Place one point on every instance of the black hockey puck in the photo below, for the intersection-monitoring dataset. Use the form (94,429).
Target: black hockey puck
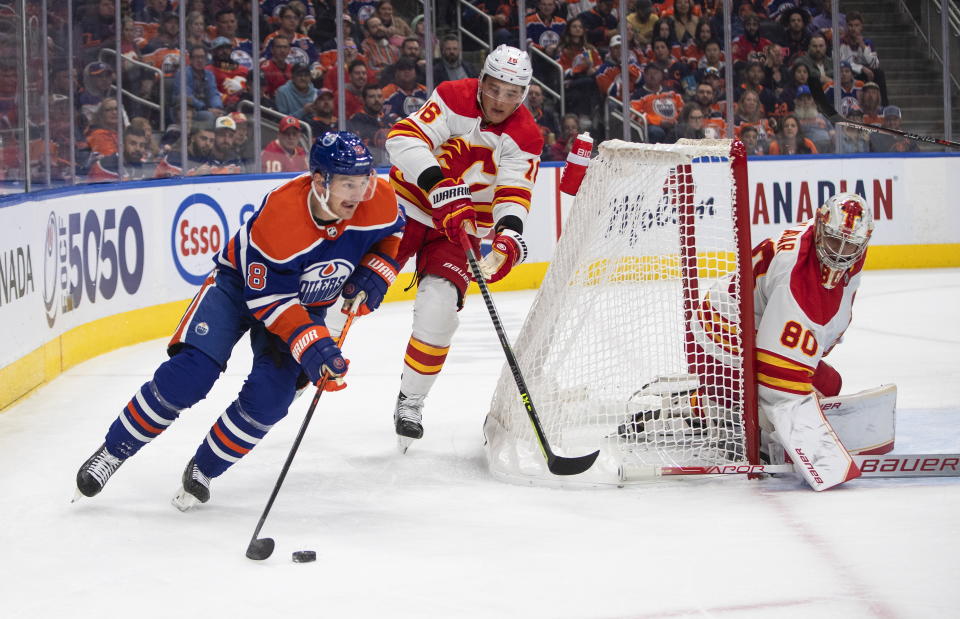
(304,556)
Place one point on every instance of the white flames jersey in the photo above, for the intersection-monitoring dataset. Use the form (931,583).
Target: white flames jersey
(498,162)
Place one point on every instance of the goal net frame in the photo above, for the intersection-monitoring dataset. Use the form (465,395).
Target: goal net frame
(512,452)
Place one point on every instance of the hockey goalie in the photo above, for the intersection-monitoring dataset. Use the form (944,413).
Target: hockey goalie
(805,284)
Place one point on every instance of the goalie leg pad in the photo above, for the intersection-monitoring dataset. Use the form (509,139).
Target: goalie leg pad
(864,421)
(435,321)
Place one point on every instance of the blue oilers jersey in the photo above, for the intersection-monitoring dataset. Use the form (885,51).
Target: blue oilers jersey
(289,262)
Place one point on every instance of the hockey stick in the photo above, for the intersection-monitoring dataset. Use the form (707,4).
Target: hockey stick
(889,465)
(912,136)
(261,548)
(558,465)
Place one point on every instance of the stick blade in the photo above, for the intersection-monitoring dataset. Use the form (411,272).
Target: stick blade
(260,549)
(571,466)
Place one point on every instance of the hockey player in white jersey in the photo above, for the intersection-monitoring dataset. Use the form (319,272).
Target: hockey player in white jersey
(465,162)
(805,283)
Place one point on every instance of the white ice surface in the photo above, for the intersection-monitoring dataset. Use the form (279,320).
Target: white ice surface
(430,534)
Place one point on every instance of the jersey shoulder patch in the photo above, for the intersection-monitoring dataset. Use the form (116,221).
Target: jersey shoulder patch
(461,96)
(284,227)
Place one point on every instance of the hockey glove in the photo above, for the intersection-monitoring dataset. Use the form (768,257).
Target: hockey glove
(509,250)
(317,354)
(453,209)
(365,288)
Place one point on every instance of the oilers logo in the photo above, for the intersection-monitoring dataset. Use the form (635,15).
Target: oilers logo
(321,284)
(665,106)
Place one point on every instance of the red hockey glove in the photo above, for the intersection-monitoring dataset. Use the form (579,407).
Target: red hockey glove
(509,249)
(453,209)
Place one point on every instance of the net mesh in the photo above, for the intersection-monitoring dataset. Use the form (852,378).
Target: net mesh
(632,344)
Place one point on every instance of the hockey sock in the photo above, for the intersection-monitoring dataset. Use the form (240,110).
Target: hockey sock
(179,383)
(230,438)
(421,364)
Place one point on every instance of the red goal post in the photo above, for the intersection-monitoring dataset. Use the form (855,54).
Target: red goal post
(640,340)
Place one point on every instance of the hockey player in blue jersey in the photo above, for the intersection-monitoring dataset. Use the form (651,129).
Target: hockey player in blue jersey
(327,234)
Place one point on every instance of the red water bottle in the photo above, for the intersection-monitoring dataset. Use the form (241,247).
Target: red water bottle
(577,162)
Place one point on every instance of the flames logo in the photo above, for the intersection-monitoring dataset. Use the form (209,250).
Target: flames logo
(459,158)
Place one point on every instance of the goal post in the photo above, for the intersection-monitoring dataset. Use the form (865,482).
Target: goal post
(639,342)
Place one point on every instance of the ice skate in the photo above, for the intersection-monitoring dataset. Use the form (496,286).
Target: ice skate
(407,419)
(195,488)
(93,475)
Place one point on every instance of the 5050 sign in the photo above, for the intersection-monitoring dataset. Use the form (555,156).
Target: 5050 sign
(89,254)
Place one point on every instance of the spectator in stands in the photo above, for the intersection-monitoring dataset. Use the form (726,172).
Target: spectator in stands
(697,48)
(691,122)
(410,50)
(223,155)
(226,24)
(397,27)
(870,104)
(329,62)
(580,61)
(599,23)
(357,78)
(777,77)
(231,77)
(641,22)
(296,97)
(822,21)
(145,127)
(664,30)
(405,96)
(814,124)
(545,26)
(102,134)
(753,79)
(796,39)
(860,54)
(97,30)
(302,50)
(153,11)
(685,20)
(134,153)
(674,71)
(97,85)
(705,97)
(608,75)
(817,59)
(324,117)
(285,154)
(853,140)
(196,29)
(800,77)
(276,71)
(569,130)
(199,147)
(750,138)
(377,48)
(242,141)
(372,125)
(658,106)
(450,66)
(168,34)
(749,42)
(716,80)
(790,140)
(750,113)
(849,87)
(544,118)
(886,143)
(203,99)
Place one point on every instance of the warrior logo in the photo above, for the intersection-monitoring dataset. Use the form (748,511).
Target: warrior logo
(322,283)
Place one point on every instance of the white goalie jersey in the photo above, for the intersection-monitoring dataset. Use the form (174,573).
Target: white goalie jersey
(498,162)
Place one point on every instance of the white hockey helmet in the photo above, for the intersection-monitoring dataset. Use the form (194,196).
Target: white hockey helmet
(843,229)
(510,65)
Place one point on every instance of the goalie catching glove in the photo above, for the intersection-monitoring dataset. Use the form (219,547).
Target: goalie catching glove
(508,250)
(453,208)
(366,287)
(317,354)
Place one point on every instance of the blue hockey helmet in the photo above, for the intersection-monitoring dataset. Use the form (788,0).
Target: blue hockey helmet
(340,152)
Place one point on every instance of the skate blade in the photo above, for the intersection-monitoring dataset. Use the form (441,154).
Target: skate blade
(77,495)
(184,501)
(403,443)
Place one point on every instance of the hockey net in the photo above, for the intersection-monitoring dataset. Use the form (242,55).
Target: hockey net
(641,334)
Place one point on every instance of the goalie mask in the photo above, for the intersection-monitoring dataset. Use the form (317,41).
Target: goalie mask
(843,229)
(506,64)
(347,168)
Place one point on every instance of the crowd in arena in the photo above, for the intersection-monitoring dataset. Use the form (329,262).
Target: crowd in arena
(781,61)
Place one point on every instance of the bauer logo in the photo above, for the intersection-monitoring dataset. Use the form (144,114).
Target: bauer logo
(322,282)
(198,233)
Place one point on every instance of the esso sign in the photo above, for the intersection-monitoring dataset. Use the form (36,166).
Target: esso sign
(199,233)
